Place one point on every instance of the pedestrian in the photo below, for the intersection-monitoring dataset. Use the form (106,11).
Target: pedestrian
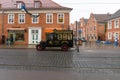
(11,39)
(116,42)
(3,39)
(7,41)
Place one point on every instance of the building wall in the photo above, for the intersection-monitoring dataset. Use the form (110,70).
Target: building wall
(82,28)
(94,29)
(113,30)
(28,23)
(101,31)
(91,31)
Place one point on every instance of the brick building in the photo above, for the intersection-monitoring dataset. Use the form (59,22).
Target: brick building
(82,27)
(75,27)
(113,27)
(30,28)
(95,29)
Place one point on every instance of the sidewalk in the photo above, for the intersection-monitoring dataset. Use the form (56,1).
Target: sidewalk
(17,46)
(98,46)
(83,46)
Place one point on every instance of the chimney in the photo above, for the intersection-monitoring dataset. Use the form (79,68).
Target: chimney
(0,6)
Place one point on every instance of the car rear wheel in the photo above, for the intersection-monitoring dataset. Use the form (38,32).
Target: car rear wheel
(39,47)
(64,47)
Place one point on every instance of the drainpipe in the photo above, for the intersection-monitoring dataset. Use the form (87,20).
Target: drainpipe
(3,36)
(2,22)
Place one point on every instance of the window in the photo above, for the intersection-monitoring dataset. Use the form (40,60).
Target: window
(49,18)
(94,27)
(35,19)
(37,4)
(116,35)
(35,31)
(21,18)
(60,18)
(19,36)
(109,24)
(10,18)
(116,24)
(110,35)
(90,28)
(94,35)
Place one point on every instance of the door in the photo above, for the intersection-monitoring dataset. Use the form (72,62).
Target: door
(34,35)
(34,38)
(12,35)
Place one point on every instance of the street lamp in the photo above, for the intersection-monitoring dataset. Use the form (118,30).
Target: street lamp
(77,46)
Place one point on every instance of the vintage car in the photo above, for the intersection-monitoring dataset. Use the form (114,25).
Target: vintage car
(58,38)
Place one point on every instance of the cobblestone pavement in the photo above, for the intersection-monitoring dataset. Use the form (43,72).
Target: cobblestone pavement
(87,62)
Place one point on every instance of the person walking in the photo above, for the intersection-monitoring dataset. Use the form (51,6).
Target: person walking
(3,39)
(11,39)
(116,42)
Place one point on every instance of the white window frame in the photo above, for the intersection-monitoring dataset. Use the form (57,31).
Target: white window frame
(37,4)
(36,18)
(116,23)
(49,18)
(19,18)
(61,15)
(110,35)
(10,18)
(109,24)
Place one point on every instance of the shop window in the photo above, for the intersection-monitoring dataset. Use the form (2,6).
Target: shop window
(19,37)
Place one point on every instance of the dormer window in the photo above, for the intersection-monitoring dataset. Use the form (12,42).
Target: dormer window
(37,4)
(19,4)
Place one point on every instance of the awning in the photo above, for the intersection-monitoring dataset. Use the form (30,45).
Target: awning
(15,29)
(49,30)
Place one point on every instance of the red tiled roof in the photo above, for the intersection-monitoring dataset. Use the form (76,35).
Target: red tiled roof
(101,17)
(9,4)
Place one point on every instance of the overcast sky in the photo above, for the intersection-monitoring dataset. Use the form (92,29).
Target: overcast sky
(83,8)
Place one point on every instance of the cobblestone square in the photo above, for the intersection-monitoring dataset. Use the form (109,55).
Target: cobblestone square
(91,63)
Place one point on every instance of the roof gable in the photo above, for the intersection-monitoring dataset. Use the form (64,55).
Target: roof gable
(100,18)
(115,15)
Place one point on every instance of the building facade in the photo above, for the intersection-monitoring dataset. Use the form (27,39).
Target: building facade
(82,28)
(95,29)
(75,27)
(31,26)
(113,27)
